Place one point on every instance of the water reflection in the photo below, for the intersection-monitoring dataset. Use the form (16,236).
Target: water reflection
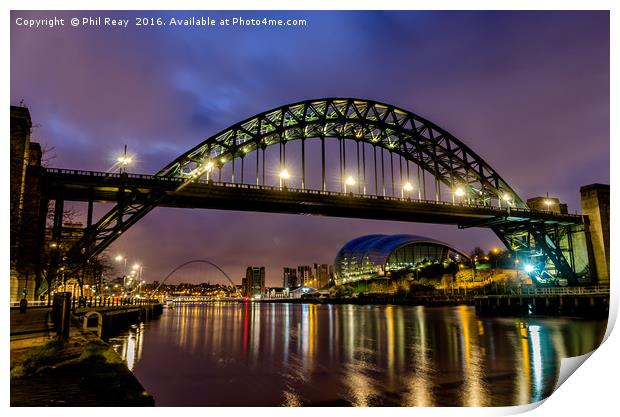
(290,354)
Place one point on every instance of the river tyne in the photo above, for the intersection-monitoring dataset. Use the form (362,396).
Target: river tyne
(258,354)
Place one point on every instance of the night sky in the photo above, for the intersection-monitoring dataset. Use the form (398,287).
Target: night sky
(528,91)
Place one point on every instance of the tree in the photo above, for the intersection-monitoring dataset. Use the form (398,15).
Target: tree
(476,253)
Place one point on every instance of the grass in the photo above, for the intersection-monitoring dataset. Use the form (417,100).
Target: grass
(37,358)
(50,354)
(99,352)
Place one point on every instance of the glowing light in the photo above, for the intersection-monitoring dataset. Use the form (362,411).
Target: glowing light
(350,180)
(528,268)
(124,160)
(284,174)
(459,192)
(548,202)
(507,197)
(135,266)
(119,258)
(209,166)
(407,186)
(495,250)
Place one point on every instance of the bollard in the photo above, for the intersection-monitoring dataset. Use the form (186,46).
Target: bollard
(23,305)
(61,314)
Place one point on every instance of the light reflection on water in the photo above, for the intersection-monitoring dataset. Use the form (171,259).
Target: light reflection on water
(290,354)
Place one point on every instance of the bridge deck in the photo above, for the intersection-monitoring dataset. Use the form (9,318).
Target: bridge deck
(72,185)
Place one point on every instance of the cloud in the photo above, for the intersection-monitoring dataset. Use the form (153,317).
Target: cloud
(528,91)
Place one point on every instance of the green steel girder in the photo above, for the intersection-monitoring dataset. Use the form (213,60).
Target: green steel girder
(414,138)
(529,239)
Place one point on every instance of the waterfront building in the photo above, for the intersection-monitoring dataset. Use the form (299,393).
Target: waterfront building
(254,282)
(289,277)
(276,292)
(321,275)
(304,275)
(28,208)
(374,256)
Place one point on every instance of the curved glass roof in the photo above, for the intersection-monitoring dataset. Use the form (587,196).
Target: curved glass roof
(377,248)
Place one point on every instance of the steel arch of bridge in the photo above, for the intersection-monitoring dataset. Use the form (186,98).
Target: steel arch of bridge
(384,126)
(414,138)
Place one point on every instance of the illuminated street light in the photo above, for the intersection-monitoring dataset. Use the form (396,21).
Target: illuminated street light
(407,187)
(124,160)
(284,175)
(506,197)
(208,167)
(459,192)
(135,266)
(349,181)
(528,268)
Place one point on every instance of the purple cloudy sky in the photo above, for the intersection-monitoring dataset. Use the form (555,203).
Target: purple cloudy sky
(528,91)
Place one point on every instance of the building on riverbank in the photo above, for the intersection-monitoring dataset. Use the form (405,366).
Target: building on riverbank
(254,281)
(373,256)
(28,208)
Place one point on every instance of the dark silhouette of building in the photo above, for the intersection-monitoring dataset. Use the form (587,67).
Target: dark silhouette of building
(551,204)
(304,275)
(289,278)
(254,281)
(322,274)
(595,205)
(28,208)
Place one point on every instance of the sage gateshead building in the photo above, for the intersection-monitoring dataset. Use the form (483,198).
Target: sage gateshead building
(374,256)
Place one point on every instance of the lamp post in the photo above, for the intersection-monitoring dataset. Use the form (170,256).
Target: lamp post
(496,253)
(120,258)
(349,181)
(208,168)
(459,192)
(123,161)
(284,175)
(407,187)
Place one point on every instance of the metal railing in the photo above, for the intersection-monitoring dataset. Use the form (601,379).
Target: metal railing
(565,291)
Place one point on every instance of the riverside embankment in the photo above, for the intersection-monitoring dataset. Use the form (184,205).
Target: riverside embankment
(78,369)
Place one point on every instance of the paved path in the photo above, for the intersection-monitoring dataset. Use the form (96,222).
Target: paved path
(30,329)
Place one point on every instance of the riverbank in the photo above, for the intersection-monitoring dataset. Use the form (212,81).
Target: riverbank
(81,371)
(379,300)
(552,304)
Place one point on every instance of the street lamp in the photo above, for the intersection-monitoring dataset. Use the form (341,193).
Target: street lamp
(123,161)
(284,175)
(349,181)
(120,258)
(208,168)
(407,187)
(548,203)
(495,252)
(459,192)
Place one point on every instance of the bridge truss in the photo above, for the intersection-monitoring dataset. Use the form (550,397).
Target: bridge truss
(430,164)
